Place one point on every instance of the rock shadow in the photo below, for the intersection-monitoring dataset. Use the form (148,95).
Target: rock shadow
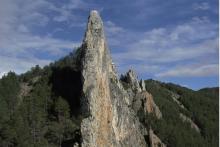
(66,82)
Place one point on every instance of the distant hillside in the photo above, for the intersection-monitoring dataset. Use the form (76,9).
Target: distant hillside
(210,92)
(200,106)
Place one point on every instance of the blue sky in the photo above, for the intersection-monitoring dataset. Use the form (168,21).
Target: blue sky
(172,41)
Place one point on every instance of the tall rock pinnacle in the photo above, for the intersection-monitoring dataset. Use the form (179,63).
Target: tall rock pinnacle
(95,31)
(96,61)
(109,121)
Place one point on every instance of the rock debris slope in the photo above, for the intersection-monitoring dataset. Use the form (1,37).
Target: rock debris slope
(109,121)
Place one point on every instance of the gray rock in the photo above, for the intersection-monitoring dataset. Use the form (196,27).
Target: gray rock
(76,145)
(142,84)
(154,140)
(109,121)
(132,80)
(176,98)
(139,97)
(193,125)
(144,100)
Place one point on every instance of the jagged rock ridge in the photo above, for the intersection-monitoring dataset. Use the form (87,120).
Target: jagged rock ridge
(139,97)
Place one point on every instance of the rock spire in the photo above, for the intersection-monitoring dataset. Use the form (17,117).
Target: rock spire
(109,121)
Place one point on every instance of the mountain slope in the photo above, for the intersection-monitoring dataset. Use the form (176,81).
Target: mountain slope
(201,107)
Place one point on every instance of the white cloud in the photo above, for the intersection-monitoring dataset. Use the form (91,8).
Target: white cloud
(22,28)
(112,29)
(201,6)
(76,4)
(18,45)
(19,64)
(191,71)
(114,33)
(2,74)
(192,42)
(66,12)
(150,51)
(35,18)
(141,68)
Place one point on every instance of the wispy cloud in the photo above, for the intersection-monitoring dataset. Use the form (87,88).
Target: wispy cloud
(19,46)
(114,33)
(155,39)
(112,28)
(191,42)
(19,65)
(201,6)
(67,12)
(191,71)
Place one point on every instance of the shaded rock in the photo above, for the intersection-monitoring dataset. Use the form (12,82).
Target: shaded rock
(25,89)
(154,140)
(76,145)
(145,101)
(132,80)
(139,97)
(175,98)
(109,121)
(189,120)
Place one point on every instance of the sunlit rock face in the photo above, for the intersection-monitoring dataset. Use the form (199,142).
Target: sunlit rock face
(140,99)
(108,119)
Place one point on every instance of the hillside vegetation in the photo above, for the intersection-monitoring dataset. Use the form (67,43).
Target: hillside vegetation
(199,106)
(42,108)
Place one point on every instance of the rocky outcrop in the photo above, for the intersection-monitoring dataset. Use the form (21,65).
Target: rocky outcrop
(184,118)
(25,90)
(141,99)
(147,103)
(132,80)
(109,121)
(176,98)
(154,140)
(143,86)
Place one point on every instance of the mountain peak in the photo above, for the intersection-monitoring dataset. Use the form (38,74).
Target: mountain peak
(95,31)
(94,13)
(109,121)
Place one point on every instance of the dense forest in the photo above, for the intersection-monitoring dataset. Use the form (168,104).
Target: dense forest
(41,108)
(200,106)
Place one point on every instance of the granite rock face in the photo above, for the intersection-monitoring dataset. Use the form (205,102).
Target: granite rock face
(184,118)
(148,104)
(109,122)
(142,84)
(154,140)
(132,80)
(139,97)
